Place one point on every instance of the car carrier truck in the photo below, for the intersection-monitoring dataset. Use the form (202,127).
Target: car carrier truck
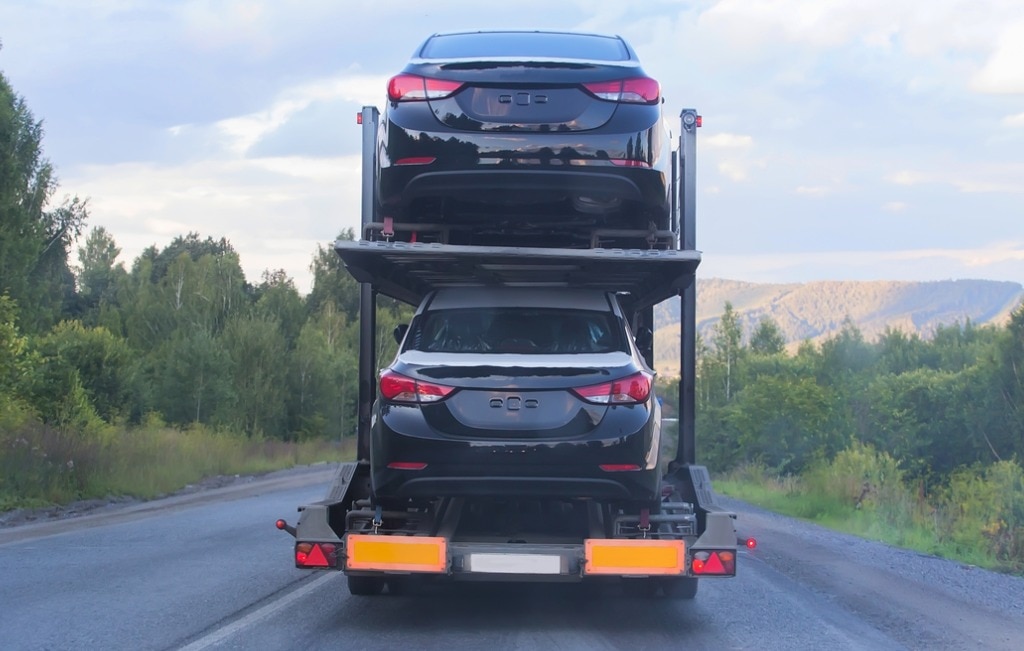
(381,545)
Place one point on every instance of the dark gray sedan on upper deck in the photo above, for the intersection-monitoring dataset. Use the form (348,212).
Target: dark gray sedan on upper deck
(521,134)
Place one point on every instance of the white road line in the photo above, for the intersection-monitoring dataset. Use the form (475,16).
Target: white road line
(266,611)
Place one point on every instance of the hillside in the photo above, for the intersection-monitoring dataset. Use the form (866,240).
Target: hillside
(817,310)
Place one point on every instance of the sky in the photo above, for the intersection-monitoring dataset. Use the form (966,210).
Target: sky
(842,139)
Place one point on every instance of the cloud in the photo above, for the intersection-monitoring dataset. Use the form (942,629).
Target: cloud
(1015,121)
(733,170)
(727,141)
(907,177)
(974,178)
(273,210)
(812,191)
(243,132)
(1003,73)
(895,206)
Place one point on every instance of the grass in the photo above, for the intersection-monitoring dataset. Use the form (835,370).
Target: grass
(41,466)
(953,525)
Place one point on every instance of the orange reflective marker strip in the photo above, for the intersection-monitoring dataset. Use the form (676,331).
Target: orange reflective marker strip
(660,557)
(396,553)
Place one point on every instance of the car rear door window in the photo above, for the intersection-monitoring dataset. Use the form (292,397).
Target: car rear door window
(516,330)
(525,44)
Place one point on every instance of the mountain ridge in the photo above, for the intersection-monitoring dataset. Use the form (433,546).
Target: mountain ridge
(817,310)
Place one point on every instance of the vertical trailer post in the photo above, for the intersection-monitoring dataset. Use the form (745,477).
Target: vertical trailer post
(369,118)
(687,189)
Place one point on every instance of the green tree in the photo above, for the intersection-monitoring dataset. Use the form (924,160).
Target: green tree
(785,422)
(14,362)
(276,297)
(323,375)
(34,238)
(193,377)
(259,373)
(728,339)
(767,338)
(332,282)
(1009,380)
(100,275)
(100,360)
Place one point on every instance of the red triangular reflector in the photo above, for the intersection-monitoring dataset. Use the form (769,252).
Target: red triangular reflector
(316,557)
(712,566)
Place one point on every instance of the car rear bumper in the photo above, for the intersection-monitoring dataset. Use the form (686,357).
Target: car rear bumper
(431,465)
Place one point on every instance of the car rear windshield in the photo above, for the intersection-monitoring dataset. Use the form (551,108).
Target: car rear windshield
(516,330)
(525,44)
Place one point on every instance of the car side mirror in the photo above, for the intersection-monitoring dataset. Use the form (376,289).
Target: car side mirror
(399,331)
(643,338)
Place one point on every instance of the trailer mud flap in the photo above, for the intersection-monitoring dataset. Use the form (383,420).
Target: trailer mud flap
(396,553)
(634,557)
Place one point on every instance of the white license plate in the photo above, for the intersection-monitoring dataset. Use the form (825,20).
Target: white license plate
(514,563)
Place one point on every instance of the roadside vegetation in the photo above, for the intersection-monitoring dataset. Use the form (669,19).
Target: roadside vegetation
(138,381)
(917,442)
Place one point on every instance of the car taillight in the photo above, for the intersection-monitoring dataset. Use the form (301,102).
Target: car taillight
(637,90)
(628,391)
(399,388)
(414,88)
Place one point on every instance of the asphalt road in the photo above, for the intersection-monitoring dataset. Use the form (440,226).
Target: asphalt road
(210,572)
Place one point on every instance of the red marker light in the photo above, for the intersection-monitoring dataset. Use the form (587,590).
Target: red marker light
(407,465)
(751,543)
(359,118)
(619,467)
(281,524)
(416,160)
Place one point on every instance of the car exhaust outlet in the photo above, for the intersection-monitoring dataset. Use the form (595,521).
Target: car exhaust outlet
(284,526)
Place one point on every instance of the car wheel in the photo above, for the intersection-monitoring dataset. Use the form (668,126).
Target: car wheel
(365,586)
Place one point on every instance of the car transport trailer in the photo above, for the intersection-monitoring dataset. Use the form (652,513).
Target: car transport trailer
(667,547)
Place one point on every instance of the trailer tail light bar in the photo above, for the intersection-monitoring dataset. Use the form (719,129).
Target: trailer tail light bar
(625,557)
(396,553)
(714,563)
(316,555)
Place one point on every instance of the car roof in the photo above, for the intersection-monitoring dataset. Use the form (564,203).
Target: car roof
(483,297)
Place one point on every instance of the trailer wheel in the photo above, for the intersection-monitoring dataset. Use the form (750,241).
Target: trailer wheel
(640,588)
(365,586)
(398,586)
(679,588)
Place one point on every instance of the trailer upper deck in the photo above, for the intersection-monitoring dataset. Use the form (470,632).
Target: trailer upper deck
(407,272)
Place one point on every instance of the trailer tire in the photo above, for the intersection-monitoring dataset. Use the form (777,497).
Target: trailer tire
(398,586)
(640,588)
(679,588)
(365,586)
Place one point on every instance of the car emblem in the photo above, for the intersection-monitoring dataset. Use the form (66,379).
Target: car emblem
(514,403)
